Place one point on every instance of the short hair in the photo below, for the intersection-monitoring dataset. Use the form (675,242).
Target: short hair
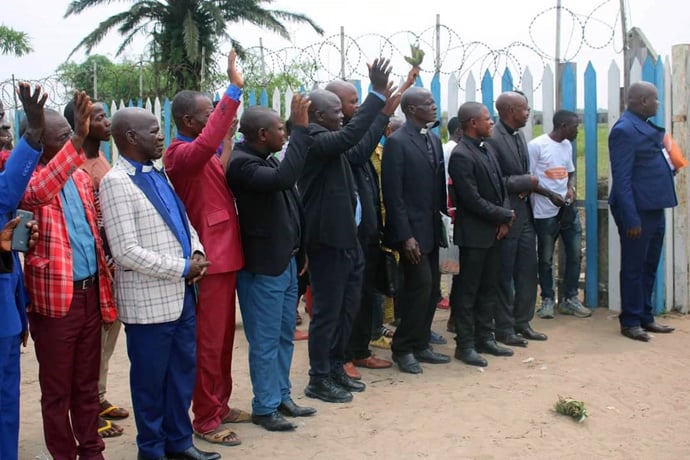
(183,104)
(469,111)
(69,113)
(452,126)
(563,117)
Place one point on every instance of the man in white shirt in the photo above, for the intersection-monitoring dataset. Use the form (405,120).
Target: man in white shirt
(555,213)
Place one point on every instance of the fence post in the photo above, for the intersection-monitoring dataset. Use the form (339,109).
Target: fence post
(591,189)
(507,81)
(452,96)
(548,103)
(680,89)
(471,88)
(488,92)
(435,88)
(614,258)
(528,89)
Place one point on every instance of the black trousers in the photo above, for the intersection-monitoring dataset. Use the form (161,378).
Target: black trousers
(336,284)
(518,293)
(361,328)
(476,295)
(417,303)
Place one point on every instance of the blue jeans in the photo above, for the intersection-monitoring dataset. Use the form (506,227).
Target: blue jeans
(548,230)
(268,314)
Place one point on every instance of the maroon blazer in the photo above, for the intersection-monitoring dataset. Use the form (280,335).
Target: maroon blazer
(199,179)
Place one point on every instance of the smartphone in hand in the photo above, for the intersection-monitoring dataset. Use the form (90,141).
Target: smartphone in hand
(22,233)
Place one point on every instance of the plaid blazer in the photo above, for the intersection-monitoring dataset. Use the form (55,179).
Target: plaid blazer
(48,266)
(149,286)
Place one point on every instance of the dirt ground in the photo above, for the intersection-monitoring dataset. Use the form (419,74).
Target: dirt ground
(637,395)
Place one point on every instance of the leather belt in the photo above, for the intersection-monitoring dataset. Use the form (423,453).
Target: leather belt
(86,283)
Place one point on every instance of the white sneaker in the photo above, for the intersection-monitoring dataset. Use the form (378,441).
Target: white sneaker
(573,306)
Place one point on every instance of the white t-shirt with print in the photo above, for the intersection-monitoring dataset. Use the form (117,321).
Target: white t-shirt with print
(551,162)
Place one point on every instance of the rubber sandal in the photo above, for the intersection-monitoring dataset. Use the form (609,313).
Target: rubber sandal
(112,412)
(237,416)
(107,429)
(221,436)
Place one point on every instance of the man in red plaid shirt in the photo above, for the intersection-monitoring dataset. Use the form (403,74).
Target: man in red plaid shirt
(69,288)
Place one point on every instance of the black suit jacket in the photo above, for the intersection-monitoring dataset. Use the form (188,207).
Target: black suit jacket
(414,190)
(367,181)
(268,202)
(515,167)
(327,186)
(482,201)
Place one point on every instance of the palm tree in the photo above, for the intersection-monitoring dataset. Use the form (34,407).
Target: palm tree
(14,42)
(185,34)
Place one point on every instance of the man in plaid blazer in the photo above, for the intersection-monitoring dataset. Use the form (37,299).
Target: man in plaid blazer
(69,288)
(159,258)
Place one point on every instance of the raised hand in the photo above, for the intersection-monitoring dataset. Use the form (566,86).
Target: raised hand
(392,104)
(33,109)
(299,110)
(411,78)
(234,75)
(378,74)
(82,118)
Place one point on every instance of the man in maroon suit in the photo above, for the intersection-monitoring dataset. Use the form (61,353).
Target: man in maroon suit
(199,179)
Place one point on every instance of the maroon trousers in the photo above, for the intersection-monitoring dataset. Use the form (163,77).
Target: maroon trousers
(215,336)
(68,350)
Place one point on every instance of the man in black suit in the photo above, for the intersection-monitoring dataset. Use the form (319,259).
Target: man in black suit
(483,217)
(518,294)
(332,212)
(414,193)
(371,227)
(271,224)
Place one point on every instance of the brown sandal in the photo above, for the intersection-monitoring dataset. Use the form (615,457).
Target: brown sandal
(222,436)
(237,416)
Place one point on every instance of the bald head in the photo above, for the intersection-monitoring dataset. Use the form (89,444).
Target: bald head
(325,109)
(513,109)
(137,134)
(413,96)
(349,98)
(642,98)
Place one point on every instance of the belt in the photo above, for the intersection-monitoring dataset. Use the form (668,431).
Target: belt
(86,283)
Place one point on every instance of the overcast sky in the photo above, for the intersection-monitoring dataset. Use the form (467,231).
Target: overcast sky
(494,23)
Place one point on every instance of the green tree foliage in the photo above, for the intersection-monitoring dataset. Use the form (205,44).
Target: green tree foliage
(14,42)
(185,35)
(115,81)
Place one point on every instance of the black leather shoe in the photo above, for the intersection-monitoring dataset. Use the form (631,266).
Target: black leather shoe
(635,333)
(345,381)
(407,363)
(658,328)
(437,339)
(431,357)
(470,356)
(530,334)
(273,422)
(289,408)
(512,340)
(193,454)
(492,348)
(326,390)
(141,457)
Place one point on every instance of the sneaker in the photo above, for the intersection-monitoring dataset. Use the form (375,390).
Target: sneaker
(573,306)
(381,342)
(546,310)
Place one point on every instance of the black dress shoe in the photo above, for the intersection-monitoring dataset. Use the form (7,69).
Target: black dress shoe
(658,328)
(437,339)
(407,363)
(343,380)
(512,340)
(193,454)
(635,333)
(431,357)
(470,356)
(325,389)
(273,422)
(141,457)
(289,408)
(492,348)
(530,334)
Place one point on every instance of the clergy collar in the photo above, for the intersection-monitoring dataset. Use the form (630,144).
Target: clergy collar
(141,167)
(477,142)
(429,126)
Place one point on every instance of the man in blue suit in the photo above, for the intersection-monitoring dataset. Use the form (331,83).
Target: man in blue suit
(642,188)
(13,181)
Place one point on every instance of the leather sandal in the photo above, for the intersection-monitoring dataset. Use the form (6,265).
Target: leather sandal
(222,436)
